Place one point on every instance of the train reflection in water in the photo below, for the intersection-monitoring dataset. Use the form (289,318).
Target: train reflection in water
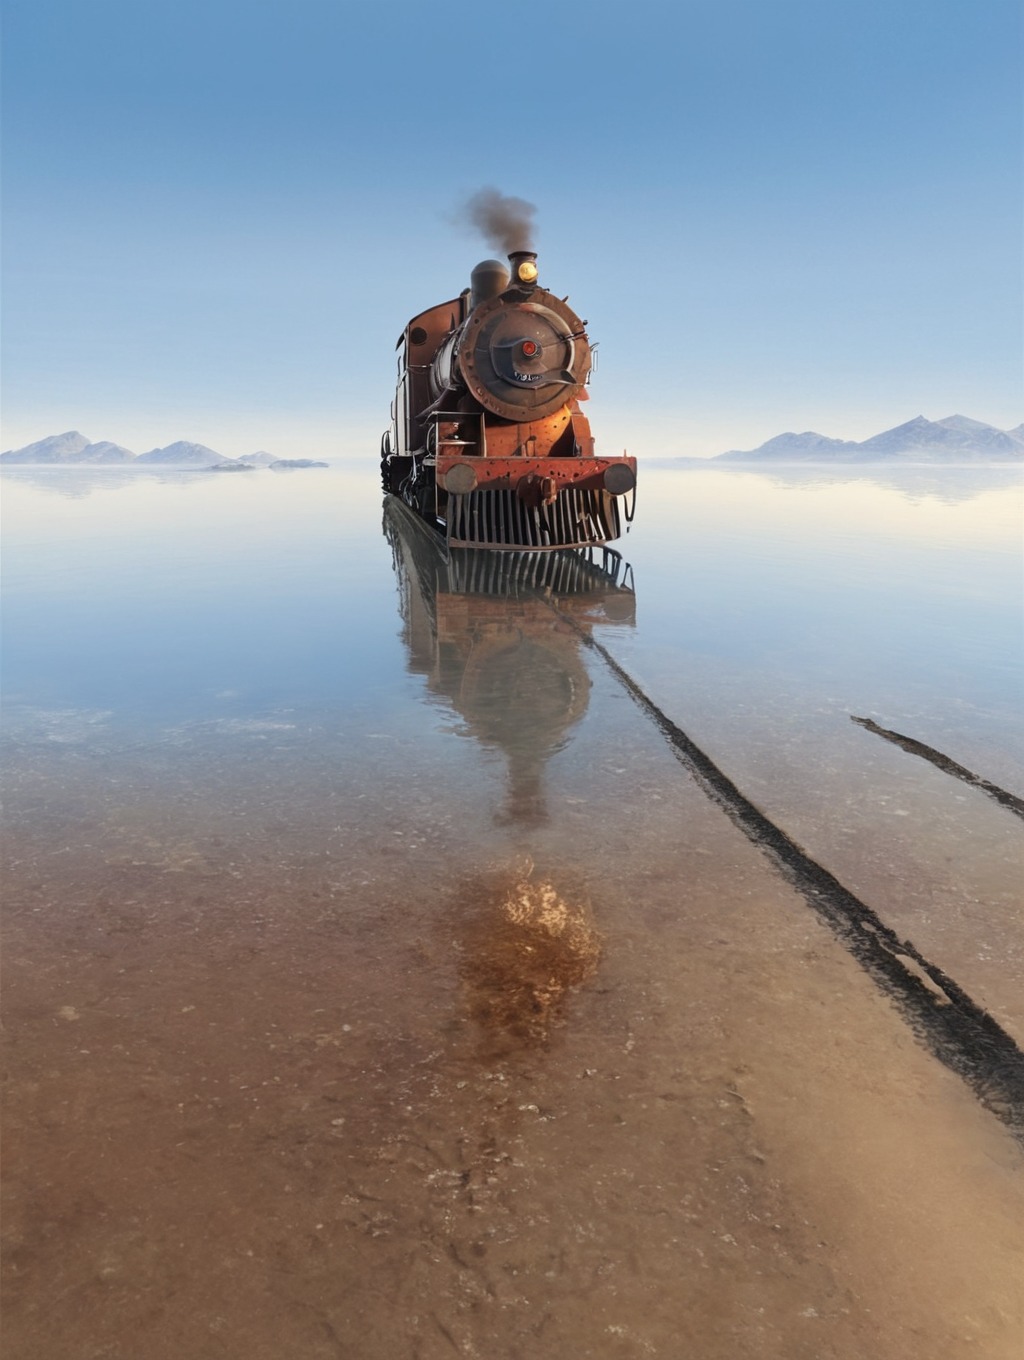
(498,638)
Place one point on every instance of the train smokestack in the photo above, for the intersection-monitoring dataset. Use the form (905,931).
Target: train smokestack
(524,267)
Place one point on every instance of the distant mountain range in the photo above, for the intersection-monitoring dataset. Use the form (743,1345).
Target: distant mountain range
(956,439)
(72,449)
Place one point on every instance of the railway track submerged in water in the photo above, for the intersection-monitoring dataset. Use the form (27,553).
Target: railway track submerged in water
(952,1026)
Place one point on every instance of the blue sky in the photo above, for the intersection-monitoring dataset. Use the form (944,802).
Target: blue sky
(799,215)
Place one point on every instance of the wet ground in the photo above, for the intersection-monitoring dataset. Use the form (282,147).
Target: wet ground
(382,980)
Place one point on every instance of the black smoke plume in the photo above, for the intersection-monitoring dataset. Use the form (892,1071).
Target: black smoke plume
(506,223)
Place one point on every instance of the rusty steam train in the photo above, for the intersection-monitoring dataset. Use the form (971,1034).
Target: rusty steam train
(487,440)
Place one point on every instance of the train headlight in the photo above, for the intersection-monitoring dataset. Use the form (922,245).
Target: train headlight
(527,272)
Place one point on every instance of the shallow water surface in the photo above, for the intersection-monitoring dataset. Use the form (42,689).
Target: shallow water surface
(380,983)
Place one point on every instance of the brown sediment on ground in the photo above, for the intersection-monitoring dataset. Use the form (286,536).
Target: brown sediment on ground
(944,763)
(295,1072)
(525,944)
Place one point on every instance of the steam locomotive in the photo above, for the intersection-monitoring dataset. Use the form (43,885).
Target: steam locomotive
(487,440)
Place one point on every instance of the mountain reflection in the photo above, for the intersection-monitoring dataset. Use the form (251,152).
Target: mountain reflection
(914,482)
(498,637)
(78,482)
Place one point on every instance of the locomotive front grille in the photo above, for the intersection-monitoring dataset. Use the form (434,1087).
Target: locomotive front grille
(498,518)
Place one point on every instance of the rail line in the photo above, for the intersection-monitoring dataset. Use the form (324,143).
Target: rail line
(944,763)
(952,1026)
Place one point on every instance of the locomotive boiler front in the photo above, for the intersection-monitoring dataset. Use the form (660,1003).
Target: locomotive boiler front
(522,353)
(489,442)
